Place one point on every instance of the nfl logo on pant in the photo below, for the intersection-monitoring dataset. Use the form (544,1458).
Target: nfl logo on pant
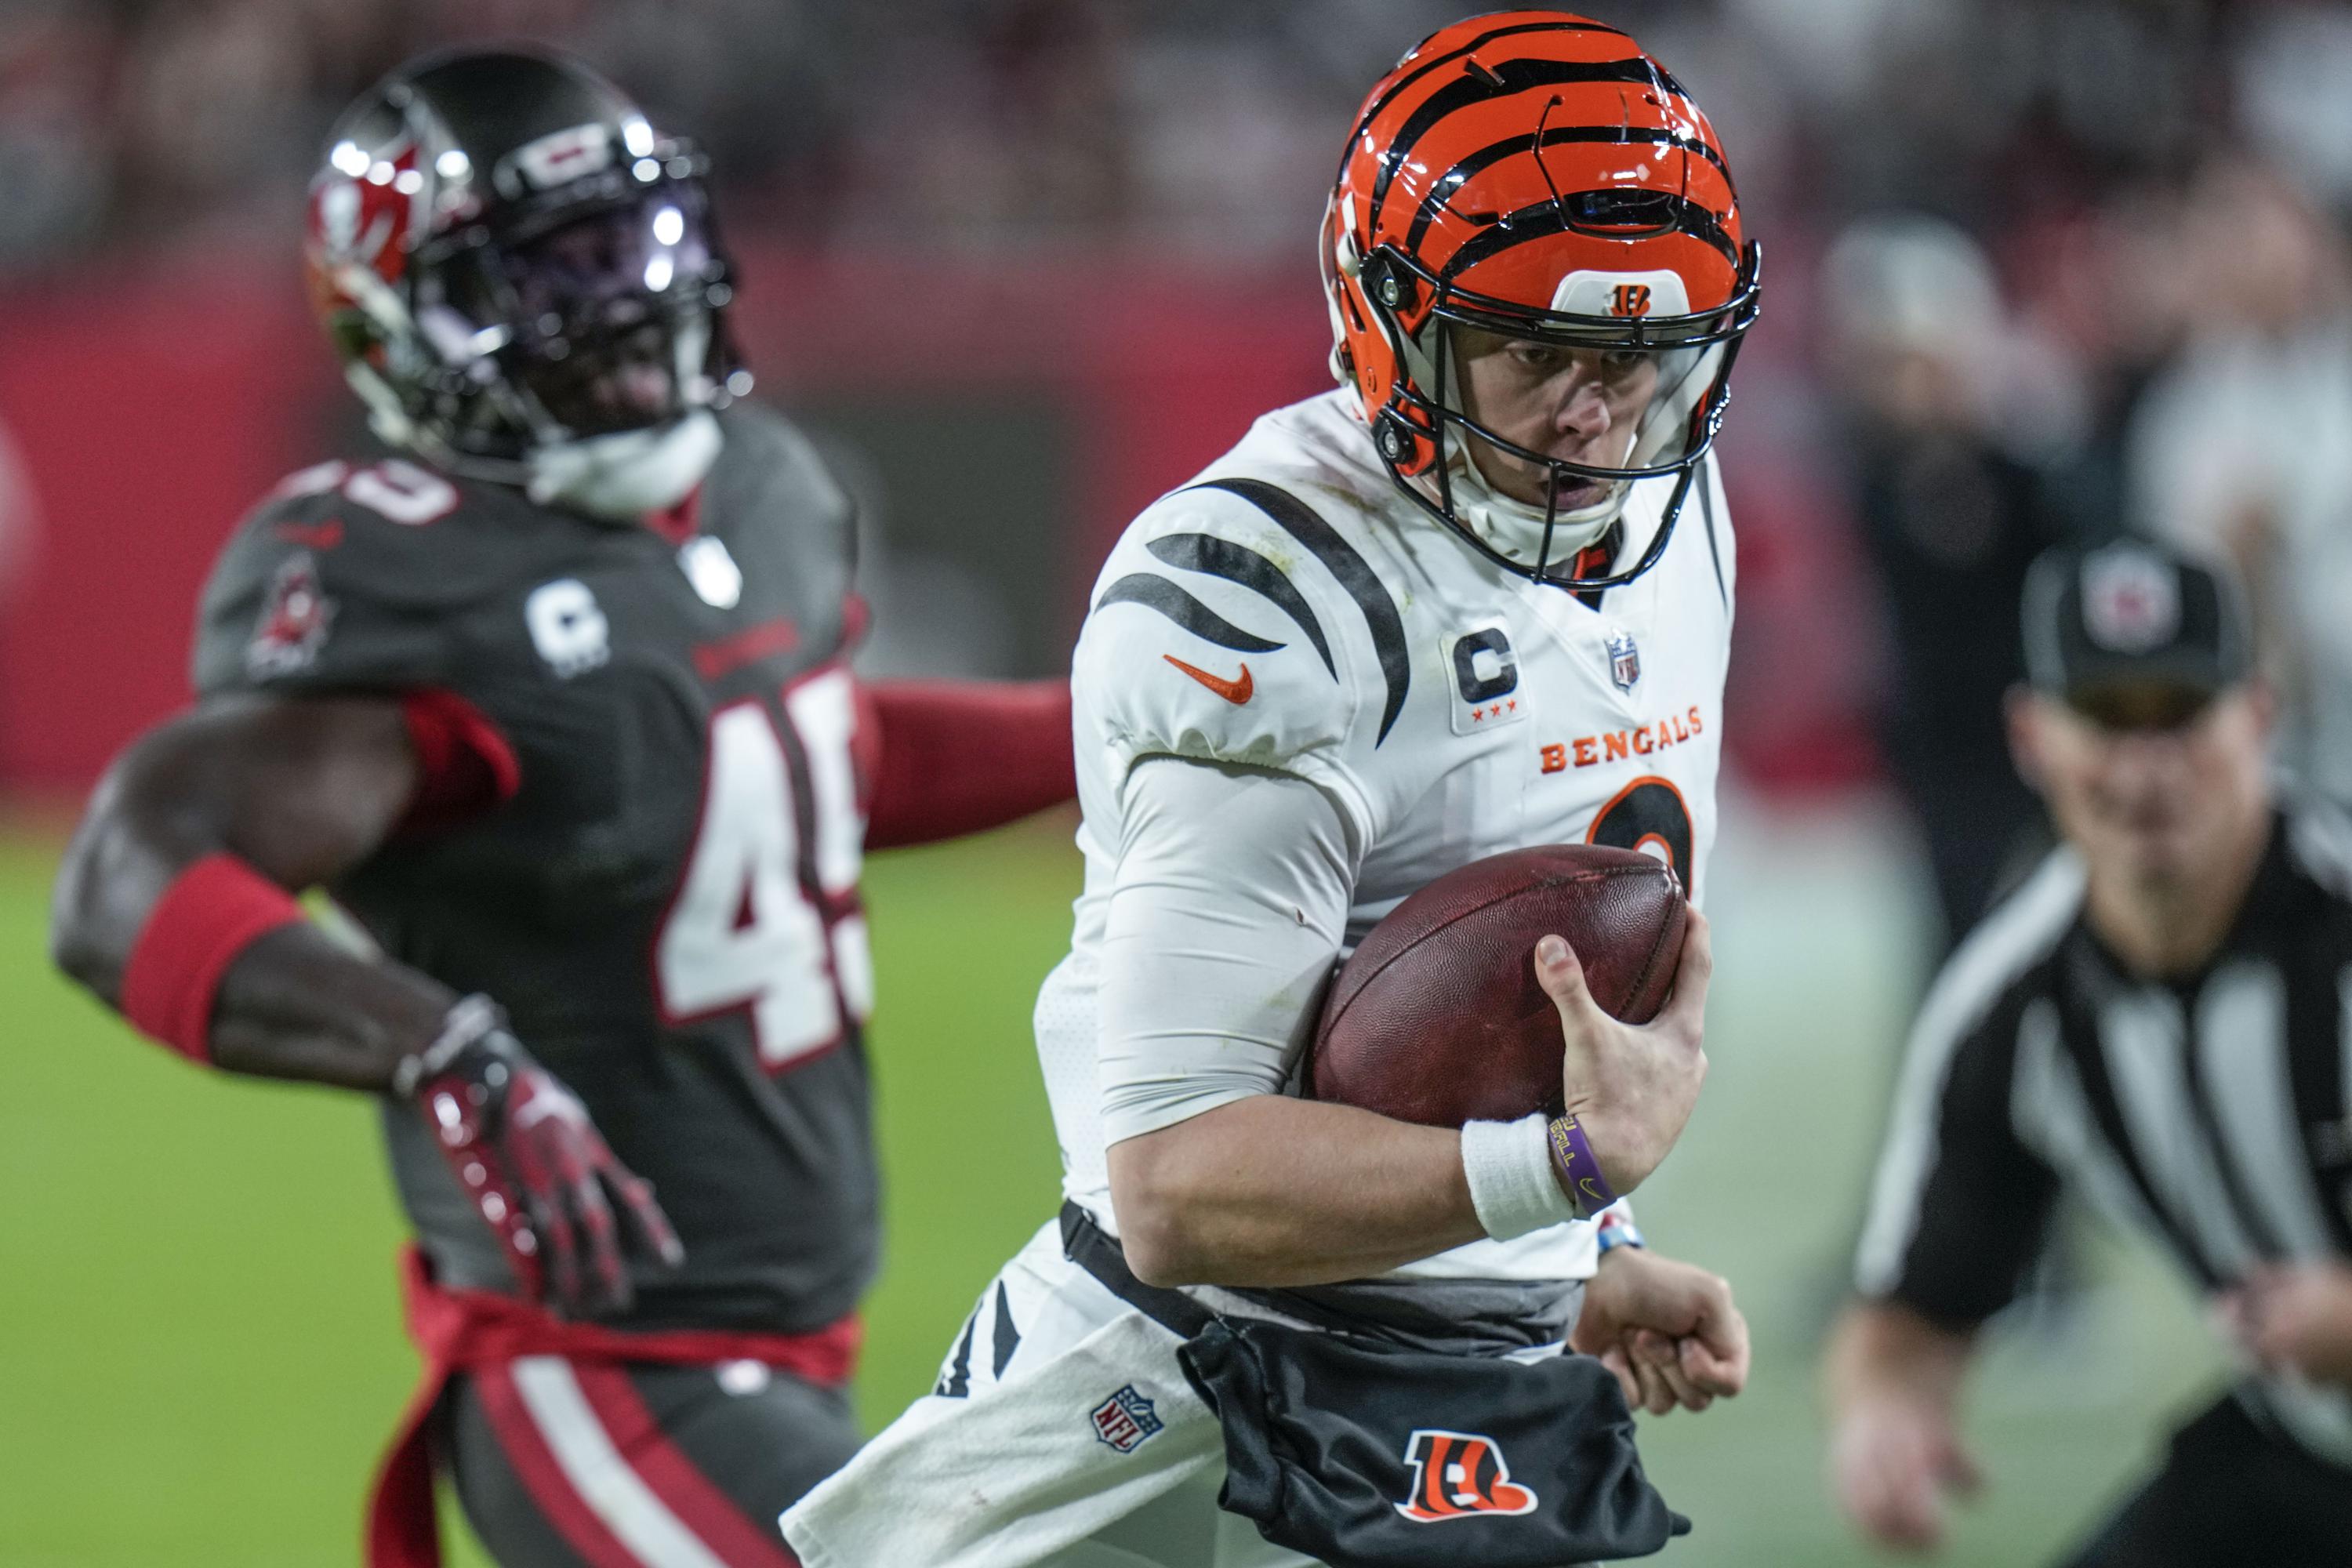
(1125,1420)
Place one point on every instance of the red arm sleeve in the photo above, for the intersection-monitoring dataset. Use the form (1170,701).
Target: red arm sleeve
(463,763)
(950,757)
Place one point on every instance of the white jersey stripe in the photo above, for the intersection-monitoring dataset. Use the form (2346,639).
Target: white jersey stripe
(2052,1114)
(2242,1065)
(2143,1035)
(615,1492)
(2016,937)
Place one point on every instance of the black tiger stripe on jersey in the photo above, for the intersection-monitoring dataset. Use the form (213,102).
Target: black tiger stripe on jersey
(1713,549)
(957,1383)
(1305,524)
(1217,557)
(1154,592)
(1007,1337)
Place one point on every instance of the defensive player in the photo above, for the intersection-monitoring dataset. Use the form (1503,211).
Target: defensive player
(1477,598)
(2157,1018)
(557,707)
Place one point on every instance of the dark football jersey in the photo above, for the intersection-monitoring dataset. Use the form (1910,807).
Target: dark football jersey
(668,905)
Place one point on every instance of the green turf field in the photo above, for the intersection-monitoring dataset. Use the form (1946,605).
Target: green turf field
(202,1354)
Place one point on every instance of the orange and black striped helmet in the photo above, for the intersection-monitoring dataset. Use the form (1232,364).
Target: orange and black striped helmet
(1535,174)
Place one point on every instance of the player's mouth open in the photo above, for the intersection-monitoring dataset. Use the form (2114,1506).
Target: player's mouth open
(1572,495)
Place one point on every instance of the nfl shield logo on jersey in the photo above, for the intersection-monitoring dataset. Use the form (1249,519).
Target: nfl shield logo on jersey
(1126,1420)
(1624,658)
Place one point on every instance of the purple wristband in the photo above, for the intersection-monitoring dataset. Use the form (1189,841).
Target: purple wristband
(1579,1170)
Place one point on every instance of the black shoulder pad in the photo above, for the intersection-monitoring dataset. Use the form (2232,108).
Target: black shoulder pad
(345,578)
(770,468)
(773,498)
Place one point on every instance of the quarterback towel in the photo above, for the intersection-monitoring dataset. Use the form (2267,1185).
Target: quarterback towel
(1020,1470)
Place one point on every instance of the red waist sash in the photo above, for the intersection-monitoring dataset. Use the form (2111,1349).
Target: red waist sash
(456,1330)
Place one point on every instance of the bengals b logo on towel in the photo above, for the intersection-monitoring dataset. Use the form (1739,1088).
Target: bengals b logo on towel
(1460,1475)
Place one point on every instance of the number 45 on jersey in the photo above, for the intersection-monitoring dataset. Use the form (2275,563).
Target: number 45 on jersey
(766,920)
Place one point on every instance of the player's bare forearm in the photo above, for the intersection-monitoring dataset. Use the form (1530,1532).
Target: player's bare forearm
(299,790)
(1882,1349)
(1277,1191)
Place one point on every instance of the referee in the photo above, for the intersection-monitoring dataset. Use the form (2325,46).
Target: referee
(2158,1018)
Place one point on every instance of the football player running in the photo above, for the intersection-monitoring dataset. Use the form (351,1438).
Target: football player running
(1477,598)
(557,706)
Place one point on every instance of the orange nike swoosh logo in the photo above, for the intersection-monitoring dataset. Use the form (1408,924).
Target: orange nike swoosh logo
(1234,692)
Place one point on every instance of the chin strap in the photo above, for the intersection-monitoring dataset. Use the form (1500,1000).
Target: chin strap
(624,475)
(1532,536)
(1595,559)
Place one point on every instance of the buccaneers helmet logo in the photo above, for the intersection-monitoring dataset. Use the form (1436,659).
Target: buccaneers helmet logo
(1460,1475)
(363,211)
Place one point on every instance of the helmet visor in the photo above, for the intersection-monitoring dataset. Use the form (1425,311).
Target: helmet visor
(1562,424)
(1650,370)
(602,318)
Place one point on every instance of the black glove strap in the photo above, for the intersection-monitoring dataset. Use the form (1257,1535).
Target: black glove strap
(469,1021)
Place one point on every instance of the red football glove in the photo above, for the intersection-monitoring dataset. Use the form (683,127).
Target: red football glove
(522,1146)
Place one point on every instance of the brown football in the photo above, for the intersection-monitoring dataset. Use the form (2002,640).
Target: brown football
(1437,1017)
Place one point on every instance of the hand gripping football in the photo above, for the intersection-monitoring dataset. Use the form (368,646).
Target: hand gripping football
(1438,1018)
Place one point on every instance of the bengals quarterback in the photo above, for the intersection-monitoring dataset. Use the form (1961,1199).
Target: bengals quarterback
(555,703)
(1477,597)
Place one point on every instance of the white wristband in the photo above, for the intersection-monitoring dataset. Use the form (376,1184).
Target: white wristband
(1511,1182)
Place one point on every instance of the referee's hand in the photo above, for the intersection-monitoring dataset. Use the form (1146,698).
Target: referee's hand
(1895,1462)
(2295,1317)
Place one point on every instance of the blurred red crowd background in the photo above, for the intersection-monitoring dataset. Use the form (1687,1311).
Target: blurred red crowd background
(1024,264)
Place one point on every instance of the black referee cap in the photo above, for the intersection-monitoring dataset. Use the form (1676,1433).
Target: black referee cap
(2132,613)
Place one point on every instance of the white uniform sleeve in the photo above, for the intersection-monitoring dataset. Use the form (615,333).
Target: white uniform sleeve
(1215,635)
(1227,910)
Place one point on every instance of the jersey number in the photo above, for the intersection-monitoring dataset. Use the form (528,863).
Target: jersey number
(747,929)
(1648,814)
(396,491)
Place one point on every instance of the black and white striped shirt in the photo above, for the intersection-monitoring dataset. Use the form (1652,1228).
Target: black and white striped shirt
(2209,1113)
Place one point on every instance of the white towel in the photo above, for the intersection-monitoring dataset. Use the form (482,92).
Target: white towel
(1019,1470)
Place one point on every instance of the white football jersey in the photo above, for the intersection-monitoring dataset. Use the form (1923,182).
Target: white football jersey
(1291,610)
